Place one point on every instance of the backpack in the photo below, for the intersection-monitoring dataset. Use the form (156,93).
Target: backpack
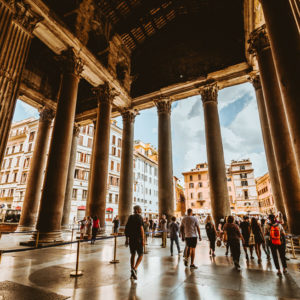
(209,229)
(275,235)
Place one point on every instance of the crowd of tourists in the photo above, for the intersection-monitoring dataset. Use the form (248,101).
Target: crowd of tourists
(264,234)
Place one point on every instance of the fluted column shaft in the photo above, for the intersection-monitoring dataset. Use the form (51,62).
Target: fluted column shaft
(70,181)
(165,162)
(282,144)
(285,46)
(100,159)
(16,25)
(52,201)
(36,173)
(126,174)
(270,155)
(215,156)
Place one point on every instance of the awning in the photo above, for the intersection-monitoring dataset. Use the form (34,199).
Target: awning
(109,209)
(18,208)
(81,207)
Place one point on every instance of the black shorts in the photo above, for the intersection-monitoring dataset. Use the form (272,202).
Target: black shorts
(191,242)
(136,247)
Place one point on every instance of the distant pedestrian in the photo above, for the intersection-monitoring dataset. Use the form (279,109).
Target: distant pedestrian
(134,231)
(88,227)
(232,236)
(189,228)
(211,234)
(164,229)
(82,227)
(258,237)
(276,234)
(174,231)
(95,229)
(246,230)
(146,229)
(116,224)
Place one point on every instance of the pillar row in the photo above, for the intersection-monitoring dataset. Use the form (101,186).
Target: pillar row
(270,155)
(165,163)
(281,140)
(282,27)
(215,155)
(126,174)
(52,200)
(17,21)
(100,156)
(36,172)
(70,181)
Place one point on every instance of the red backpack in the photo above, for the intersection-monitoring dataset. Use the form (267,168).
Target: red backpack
(275,235)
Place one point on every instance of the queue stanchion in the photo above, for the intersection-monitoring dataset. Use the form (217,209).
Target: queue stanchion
(145,240)
(37,239)
(77,273)
(72,236)
(115,260)
(293,248)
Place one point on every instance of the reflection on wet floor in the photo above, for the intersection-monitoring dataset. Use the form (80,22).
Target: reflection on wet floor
(45,274)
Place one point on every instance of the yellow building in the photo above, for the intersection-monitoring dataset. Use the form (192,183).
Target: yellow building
(265,196)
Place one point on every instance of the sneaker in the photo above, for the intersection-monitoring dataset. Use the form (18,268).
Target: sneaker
(193,267)
(185,261)
(279,273)
(237,265)
(134,274)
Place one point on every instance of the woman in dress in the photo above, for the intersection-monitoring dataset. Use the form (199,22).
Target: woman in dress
(258,237)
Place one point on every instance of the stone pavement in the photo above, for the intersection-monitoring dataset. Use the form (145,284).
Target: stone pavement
(44,274)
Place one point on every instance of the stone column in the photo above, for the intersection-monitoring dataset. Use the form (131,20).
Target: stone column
(52,201)
(270,155)
(220,205)
(282,144)
(17,21)
(70,181)
(36,173)
(285,46)
(100,159)
(165,163)
(126,174)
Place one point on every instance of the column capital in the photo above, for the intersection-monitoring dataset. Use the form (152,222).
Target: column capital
(76,130)
(46,114)
(163,105)
(71,63)
(105,93)
(255,80)
(129,115)
(258,40)
(209,93)
(24,15)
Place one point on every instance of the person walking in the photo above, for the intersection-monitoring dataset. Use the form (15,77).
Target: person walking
(95,229)
(189,228)
(174,231)
(116,225)
(146,229)
(82,227)
(211,235)
(258,237)
(134,232)
(275,232)
(233,235)
(246,229)
(88,227)
(164,229)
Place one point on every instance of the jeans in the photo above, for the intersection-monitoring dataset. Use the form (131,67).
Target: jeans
(176,242)
(281,250)
(235,250)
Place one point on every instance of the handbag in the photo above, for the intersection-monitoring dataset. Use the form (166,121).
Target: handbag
(219,242)
(251,239)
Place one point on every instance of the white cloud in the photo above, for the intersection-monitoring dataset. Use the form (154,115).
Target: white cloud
(28,109)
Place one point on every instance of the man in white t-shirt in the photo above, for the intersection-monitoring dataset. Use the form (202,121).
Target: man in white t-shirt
(189,229)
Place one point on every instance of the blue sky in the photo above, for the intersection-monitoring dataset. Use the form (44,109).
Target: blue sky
(240,127)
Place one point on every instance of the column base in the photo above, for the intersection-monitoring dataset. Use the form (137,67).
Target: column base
(23,228)
(45,238)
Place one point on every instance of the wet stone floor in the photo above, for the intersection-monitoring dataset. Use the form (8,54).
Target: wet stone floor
(45,274)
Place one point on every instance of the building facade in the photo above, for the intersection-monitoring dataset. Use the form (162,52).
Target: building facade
(18,155)
(240,184)
(265,196)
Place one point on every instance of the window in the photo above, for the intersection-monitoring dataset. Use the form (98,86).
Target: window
(113,140)
(29,147)
(113,150)
(192,195)
(18,161)
(119,153)
(191,185)
(7,150)
(199,176)
(74,194)
(246,196)
(26,162)
(191,177)
(117,181)
(23,177)
(112,165)
(244,183)
(200,184)
(243,175)
(90,143)
(84,194)
(31,136)
(110,198)
(242,168)
(119,142)
(118,167)
(3,164)
(116,198)
(6,177)
(13,149)
(9,163)
(15,176)
(200,196)
(10,192)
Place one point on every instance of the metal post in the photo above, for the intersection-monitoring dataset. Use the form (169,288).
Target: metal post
(37,239)
(293,248)
(115,260)
(77,273)
(0,235)
(72,235)
(0,255)
(145,239)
